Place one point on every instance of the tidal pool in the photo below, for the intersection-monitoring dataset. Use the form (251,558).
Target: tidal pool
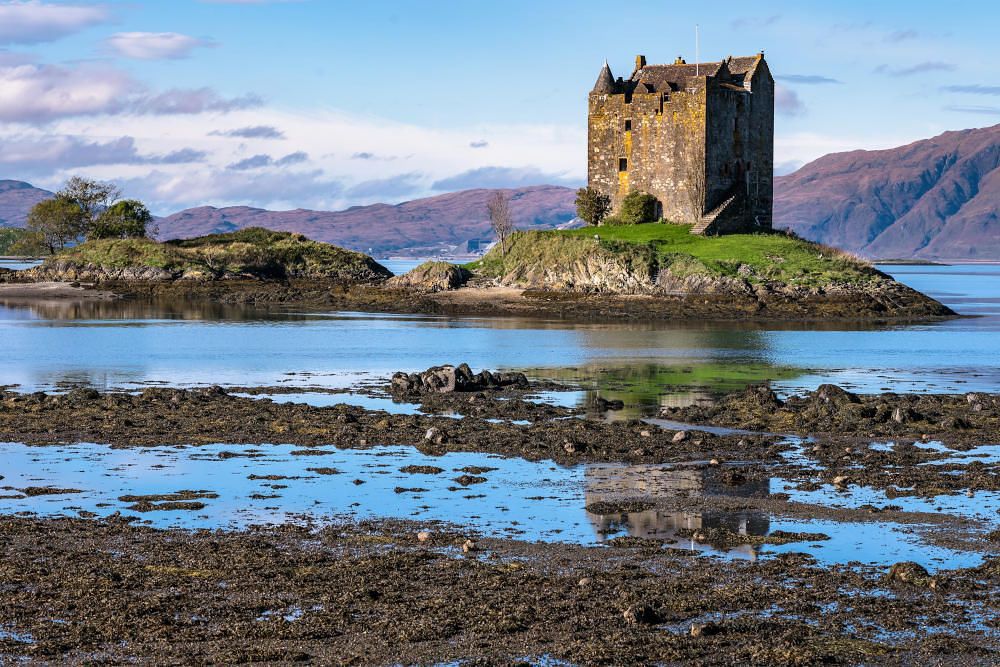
(505,497)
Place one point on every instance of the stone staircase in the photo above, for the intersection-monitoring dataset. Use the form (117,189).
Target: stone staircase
(709,218)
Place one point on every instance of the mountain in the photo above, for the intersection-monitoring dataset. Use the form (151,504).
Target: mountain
(16,199)
(418,227)
(933,199)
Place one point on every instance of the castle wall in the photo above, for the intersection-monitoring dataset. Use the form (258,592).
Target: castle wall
(762,144)
(666,142)
(691,149)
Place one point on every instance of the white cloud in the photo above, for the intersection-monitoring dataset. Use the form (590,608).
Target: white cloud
(40,93)
(154,45)
(32,22)
(315,169)
(44,154)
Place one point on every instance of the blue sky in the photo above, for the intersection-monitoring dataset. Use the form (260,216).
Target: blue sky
(326,104)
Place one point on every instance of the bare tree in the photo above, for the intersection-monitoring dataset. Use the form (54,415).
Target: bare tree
(696,187)
(500,218)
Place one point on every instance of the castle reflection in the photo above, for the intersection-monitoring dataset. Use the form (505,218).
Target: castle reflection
(613,483)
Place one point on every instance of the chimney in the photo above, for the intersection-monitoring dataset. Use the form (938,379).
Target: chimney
(640,62)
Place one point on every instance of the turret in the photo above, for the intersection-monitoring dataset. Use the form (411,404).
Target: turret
(605,81)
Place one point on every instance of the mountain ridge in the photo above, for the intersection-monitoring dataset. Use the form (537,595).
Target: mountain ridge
(936,198)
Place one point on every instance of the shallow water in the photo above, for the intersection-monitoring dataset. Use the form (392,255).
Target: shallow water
(55,345)
(522,499)
(648,365)
(19,264)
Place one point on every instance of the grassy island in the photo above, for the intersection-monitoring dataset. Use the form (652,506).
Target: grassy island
(248,253)
(647,249)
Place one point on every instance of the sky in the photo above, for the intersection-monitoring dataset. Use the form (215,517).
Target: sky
(326,104)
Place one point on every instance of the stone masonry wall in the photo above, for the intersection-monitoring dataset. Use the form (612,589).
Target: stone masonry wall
(666,141)
(712,126)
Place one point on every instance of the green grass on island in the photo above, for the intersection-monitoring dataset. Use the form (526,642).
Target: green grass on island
(654,246)
(254,252)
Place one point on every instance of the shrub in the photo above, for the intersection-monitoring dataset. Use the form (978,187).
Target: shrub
(592,206)
(637,208)
(125,219)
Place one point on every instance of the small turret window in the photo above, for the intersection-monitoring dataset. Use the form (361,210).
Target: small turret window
(628,124)
(622,164)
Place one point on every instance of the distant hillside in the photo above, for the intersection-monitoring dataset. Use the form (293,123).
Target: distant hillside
(16,199)
(419,227)
(933,199)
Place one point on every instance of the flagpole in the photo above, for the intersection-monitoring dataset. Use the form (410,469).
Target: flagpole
(697,51)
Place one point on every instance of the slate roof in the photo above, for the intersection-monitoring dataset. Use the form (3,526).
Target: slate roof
(675,77)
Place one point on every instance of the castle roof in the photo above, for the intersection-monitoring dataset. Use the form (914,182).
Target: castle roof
(659,78)
(605,80)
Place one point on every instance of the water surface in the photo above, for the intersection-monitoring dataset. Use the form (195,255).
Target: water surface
(56,344)
(504,497)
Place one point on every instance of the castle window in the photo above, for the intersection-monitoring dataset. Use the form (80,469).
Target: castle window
(622,164)
(628,124)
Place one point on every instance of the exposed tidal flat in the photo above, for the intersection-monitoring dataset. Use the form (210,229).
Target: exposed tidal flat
(540,525)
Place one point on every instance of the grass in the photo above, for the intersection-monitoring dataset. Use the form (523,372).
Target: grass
(755,257)
(252,252)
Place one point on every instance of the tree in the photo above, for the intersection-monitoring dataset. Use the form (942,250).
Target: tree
(93,197)
(637,208)
(500,218)
(592,206)
(27,244)
(59,221)
(125,219)
(696,187)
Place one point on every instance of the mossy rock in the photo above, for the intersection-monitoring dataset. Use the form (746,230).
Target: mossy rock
(432,277)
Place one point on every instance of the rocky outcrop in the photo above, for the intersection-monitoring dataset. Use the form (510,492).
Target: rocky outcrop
(432,277)
(448,379)
(69,271)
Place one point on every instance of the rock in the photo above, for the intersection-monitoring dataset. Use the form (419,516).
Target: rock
(569,447)
(974,397)
(448,379)
(680,436)
(904,416)
(640,614)
(705,629)
(908,572)
(603,405)
(584,582)
(423,536)
(645,434)
(841,480)
(832,394)
(468,546)
(733,478)
(432,277)
(436,435)
(714,462)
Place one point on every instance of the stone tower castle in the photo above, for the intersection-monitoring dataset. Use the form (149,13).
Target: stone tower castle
(698,137)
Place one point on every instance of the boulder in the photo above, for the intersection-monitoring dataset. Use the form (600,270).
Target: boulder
(832,394)
(432,277)
(449,379)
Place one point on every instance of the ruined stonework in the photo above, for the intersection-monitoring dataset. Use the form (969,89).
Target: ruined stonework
(698,137)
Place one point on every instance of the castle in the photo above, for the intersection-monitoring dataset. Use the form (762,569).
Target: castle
(698,137)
